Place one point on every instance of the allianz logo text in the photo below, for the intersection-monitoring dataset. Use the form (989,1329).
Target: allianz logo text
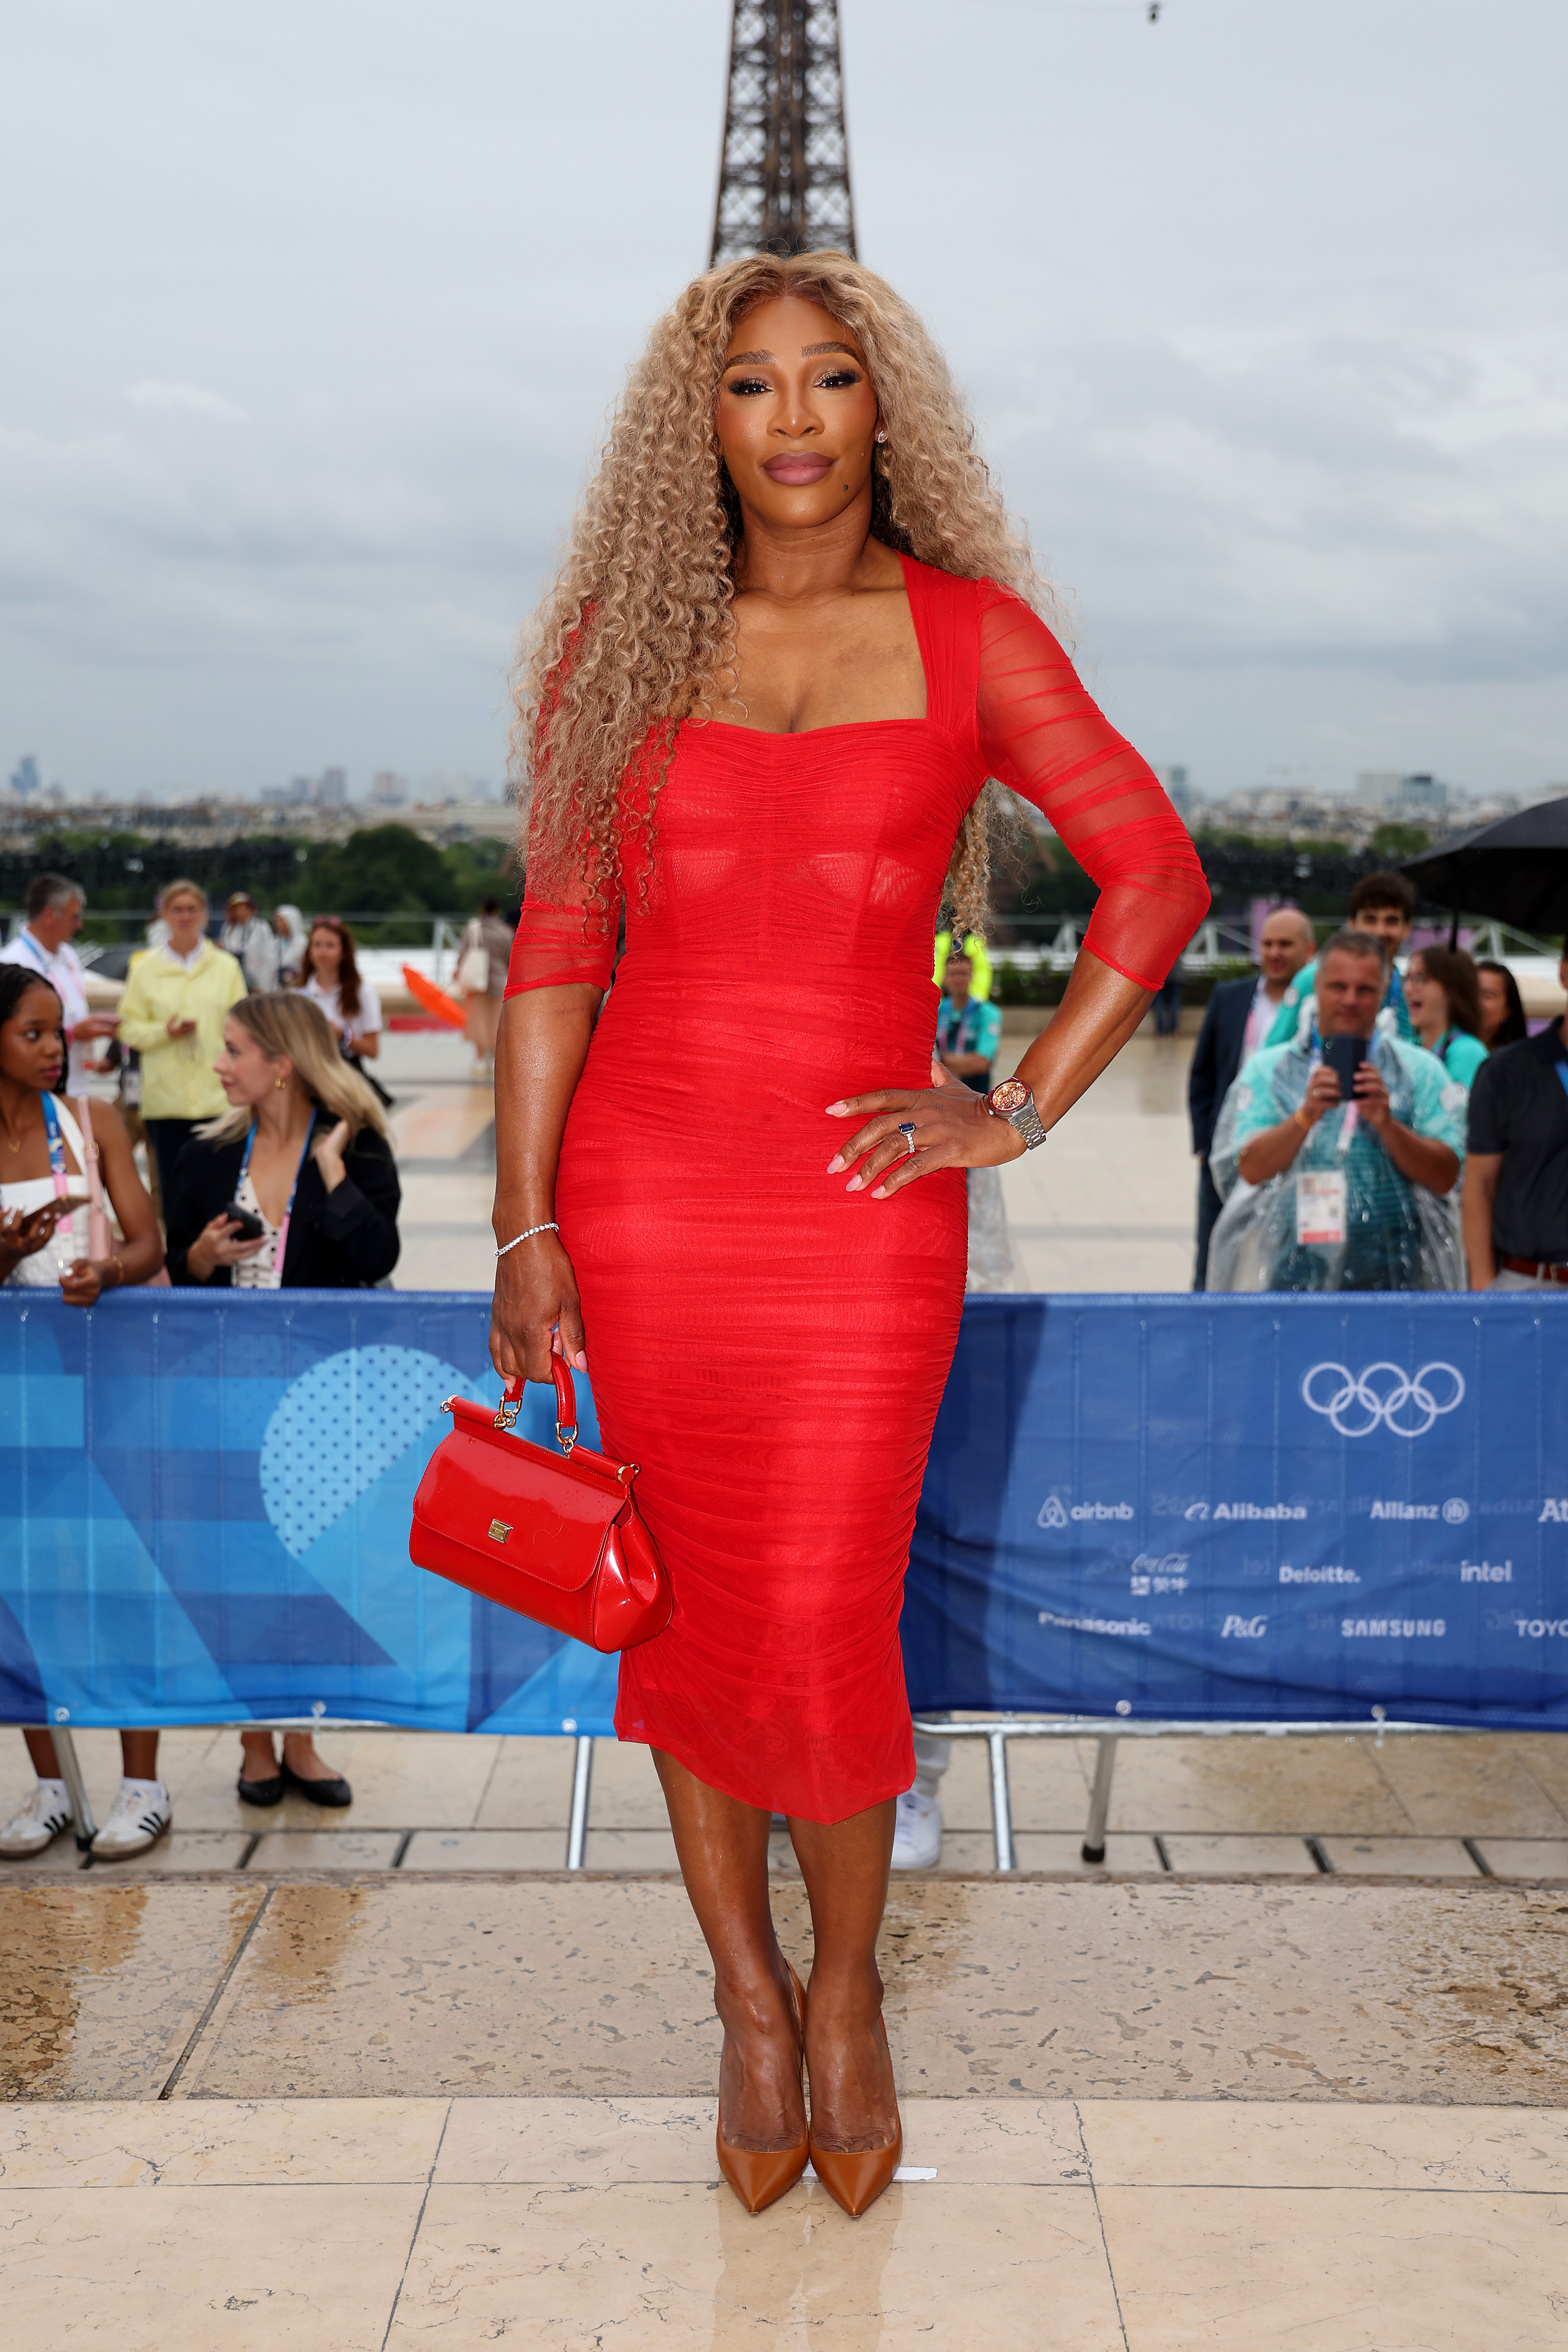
(1054,1513)
(1243,1628)
(1453,1513)
(1384,1396)
(1555,1508)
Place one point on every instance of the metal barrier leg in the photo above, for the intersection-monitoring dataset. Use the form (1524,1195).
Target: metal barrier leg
(1001,1800)
(582,1777)
(1099,1800)
(76,1787)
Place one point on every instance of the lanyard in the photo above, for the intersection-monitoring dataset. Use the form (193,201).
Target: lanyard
(57,1147)
(281,1244)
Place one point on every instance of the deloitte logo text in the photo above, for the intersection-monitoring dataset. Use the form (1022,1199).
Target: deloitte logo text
(1054,1513)
(1384,1396)
(1217,1511)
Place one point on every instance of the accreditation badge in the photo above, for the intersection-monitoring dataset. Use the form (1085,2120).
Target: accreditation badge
(1321,1206)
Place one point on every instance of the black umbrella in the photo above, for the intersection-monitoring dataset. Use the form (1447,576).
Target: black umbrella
(1516,870)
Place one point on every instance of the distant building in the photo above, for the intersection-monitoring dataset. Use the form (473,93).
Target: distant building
(1399,795)
(24,777)
(388,790)
(332,788)
(1182,796)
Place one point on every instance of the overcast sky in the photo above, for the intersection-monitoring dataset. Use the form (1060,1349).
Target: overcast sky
(311,316)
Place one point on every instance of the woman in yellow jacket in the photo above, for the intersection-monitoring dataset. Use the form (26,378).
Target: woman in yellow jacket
(172,1013)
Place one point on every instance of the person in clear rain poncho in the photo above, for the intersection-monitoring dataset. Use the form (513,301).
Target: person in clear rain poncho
(1337,1186)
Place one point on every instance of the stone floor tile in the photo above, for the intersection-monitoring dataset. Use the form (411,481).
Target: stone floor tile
(181,1849)
(1304,1786)
(1030,1988)
(683,2265)
(103,1981)
(1337,2270)
(648,1849)
(1062,1850)
(971,1852)
(1262,2144)
(1524,1857)
(321,1849)
(1470,1787)
(1240,1857)
(1544,1756)
(315,2269)
(486,1849)
(624,1792)
(1048,1781)
(598,2143)
(59,1858)
(531,1788)
(1399,1857)
(210,2143)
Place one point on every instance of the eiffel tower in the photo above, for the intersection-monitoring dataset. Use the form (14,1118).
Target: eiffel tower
(783,180)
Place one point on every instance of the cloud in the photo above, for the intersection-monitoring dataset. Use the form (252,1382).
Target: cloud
(192,398)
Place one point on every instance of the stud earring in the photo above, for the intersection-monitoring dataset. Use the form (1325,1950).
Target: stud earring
(880,434)
(281,1083)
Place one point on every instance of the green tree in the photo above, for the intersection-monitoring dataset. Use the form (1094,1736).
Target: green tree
(1400,840)
(386,868)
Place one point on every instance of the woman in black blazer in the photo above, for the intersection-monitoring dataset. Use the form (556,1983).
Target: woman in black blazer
(302,1148)
(303,1152)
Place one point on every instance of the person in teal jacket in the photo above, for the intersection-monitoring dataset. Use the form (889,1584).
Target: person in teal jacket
(1443,990)
(1381,903)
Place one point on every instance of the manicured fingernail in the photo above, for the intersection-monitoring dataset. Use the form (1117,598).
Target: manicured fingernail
(853,1185)
(836,1163)
(581,1361)
(880,1193)
(837,1110)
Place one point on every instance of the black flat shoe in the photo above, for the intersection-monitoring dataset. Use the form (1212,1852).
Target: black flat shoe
(316,1792)
(260,1792)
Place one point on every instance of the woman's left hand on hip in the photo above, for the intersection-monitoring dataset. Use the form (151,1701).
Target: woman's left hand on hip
(330,1155)
(948,1127)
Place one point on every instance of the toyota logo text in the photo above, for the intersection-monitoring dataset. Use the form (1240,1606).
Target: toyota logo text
(1383,1396)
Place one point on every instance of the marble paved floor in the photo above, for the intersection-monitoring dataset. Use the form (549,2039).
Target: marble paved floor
(389,2109)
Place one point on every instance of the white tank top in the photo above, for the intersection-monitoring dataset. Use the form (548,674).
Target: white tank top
(46,1268)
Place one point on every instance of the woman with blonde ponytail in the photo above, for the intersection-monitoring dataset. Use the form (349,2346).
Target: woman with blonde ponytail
(794,634)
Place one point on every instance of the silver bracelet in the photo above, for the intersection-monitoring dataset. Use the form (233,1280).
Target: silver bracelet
(551,1228)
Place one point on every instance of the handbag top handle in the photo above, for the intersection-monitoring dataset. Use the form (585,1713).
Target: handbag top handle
(565,1405)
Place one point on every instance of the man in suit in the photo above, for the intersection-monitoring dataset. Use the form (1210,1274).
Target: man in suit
(1239,1016)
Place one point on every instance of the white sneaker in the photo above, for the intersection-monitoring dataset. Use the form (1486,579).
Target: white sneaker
(917,1831)
(46,1813)
(142,1811)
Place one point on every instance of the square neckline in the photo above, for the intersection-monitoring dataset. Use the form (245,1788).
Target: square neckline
(844,726)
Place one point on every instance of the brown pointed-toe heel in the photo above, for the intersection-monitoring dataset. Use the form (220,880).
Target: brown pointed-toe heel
(759,2177)
(854,2178)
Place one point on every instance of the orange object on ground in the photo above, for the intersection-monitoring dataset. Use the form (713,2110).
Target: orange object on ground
(434,999)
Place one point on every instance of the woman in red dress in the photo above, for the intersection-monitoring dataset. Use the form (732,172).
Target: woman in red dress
(794,635)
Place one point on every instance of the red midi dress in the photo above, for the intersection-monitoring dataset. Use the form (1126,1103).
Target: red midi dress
(770,1348)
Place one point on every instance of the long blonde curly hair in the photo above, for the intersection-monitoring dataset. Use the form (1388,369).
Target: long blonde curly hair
(638,632)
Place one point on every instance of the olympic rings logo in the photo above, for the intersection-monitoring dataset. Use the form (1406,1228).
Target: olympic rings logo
(1405,1405)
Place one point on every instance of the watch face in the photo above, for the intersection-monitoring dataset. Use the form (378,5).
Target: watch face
(1010,1095)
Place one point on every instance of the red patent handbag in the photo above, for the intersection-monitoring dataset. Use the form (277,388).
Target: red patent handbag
(558,1541)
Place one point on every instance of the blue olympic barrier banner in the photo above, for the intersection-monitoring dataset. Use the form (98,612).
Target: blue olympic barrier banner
(1206,1507)
(1249,1509)
(206,1510)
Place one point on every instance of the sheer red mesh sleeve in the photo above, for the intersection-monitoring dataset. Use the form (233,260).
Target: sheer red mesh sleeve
(1042,737)
(559,943)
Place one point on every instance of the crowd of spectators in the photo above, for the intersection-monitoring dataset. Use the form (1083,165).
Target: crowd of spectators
(1358,1129)
(241,1064)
